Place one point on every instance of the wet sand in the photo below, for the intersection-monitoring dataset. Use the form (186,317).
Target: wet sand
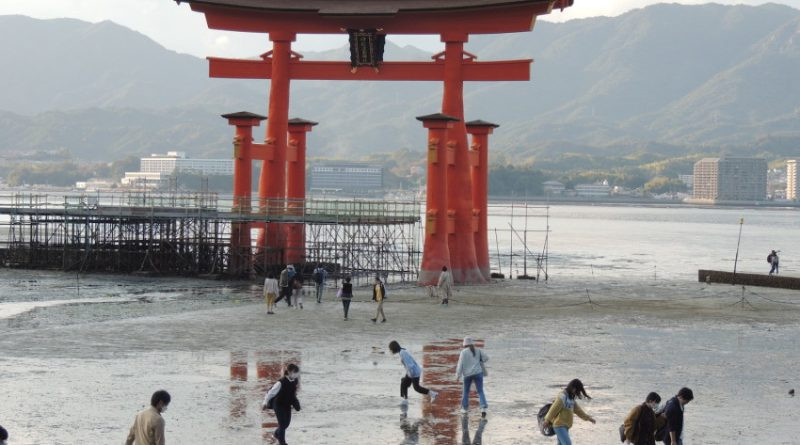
(78,373)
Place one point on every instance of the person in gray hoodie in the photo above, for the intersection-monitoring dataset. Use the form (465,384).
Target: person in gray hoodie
(471,368)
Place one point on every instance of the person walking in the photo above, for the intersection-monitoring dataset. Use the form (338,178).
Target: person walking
(445,285)
(319,275)
(346,295)
(290,286)
(297,292)
(773,260)
(413,373)
(283,283)
(471,368)
(674,412)
(281,398)
(148,426)
(642,422)
(561,411)
(378,295)
(270,291)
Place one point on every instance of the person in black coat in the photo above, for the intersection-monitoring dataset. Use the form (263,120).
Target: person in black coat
(281,398)
(674,413)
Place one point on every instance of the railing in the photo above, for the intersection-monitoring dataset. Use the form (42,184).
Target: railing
(213,203)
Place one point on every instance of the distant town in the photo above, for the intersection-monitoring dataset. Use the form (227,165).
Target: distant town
(722,180)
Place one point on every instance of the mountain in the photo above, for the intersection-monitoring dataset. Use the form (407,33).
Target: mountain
(669,78)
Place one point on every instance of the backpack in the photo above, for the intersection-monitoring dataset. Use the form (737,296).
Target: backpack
(769,258)
(549,431)
(317,276)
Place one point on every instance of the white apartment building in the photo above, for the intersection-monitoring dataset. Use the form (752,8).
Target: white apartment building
(792,183)
(177,161)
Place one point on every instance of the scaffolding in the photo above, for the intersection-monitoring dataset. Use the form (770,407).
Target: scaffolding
(519,239)
(190,234)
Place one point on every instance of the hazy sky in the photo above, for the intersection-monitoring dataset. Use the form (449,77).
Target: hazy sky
(178,28)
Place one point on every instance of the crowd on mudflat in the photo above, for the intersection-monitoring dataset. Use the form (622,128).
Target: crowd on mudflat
(647,423)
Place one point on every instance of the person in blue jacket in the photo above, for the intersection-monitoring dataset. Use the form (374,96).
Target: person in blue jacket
(413,373)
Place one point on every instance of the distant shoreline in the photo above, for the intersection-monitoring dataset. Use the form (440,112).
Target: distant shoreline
(644,202)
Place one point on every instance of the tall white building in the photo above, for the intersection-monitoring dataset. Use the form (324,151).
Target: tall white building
(792,183)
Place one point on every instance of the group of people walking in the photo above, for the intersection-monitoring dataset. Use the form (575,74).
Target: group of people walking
(471,369)
(645,424)
(289,285)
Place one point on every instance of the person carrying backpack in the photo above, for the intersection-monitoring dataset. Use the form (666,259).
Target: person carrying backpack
(642,422)
(773,259)
(319,276)
(561,411)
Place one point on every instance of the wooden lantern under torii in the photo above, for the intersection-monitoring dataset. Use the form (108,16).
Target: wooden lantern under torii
(452,20)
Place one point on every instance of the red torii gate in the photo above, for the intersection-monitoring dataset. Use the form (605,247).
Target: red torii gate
(460,208)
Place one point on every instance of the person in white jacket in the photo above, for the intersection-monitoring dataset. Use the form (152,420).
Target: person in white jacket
(445,285)
(270,292)
(470,367)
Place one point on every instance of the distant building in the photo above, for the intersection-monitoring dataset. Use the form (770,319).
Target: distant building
(95,184)
(687,179)
(345,177)
(730,179)
(155,170)
(553,188)
(593,190)
(792,180)
(175,161)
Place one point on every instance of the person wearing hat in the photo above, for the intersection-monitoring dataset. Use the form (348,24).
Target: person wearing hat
(471,367)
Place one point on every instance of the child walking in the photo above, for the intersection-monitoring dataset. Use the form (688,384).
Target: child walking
(281,398)
(413,373)
(562,409)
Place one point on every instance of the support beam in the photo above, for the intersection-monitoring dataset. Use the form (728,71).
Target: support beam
(505,70)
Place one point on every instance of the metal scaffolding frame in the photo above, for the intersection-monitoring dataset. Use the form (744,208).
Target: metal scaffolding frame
(190,234)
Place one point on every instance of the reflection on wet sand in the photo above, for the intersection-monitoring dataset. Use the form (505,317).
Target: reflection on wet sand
(478,438)
(439,362)
(269,369)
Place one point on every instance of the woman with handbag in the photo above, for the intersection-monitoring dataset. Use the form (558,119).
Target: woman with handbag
(471,366)
(561,411)
(346,295)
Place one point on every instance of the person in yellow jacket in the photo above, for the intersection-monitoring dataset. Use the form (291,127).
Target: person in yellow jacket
(560,414)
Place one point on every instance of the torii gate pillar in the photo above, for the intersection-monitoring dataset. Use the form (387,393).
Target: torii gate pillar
(272,183)
(295,251)
(241,252)
(436,252)
(479,154)
(459,184)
